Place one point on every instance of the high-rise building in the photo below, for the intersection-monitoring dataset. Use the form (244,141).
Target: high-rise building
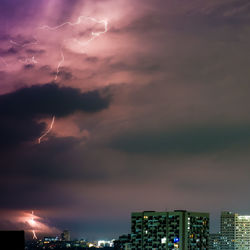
(227,228)
(242,233)
(179,229)
(235,231)
(215,241)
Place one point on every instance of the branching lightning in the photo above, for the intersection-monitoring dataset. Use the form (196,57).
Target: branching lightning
(94,35)
(32,60)
(59,65)
(48,131)
(79,20)
(32,222)
(34,235)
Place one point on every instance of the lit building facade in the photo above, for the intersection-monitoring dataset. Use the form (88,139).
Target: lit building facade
(169,230)
(105,243)
(215,241)
(235,231)
(227,228)
(242,239)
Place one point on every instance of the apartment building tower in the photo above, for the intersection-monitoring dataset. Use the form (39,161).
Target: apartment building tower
(178,229)
(235,231)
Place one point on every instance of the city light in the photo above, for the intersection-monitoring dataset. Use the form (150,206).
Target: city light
(104,243)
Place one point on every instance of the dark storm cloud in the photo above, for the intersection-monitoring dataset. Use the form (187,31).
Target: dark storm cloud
(51,99)
(195,140)
(19,109)
(197,52)
(15,130)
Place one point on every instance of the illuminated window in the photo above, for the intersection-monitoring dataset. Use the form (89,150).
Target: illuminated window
(164,240)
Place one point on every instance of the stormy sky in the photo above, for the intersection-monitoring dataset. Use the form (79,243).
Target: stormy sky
(151,113)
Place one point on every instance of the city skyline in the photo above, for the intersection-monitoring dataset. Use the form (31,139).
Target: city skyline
(232,225)
(178,229)
(114,106)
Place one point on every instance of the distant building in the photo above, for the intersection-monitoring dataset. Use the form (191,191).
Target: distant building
(242,232)
(215,241)
(49,239)
(235,231)
(10,240)
(123,243)
(65,235)
(227,228)
(105,243)
(179,229)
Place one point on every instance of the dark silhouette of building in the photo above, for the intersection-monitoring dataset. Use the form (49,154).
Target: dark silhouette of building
(12,240)
(123,243)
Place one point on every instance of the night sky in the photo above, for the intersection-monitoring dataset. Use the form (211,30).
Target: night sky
(151,113)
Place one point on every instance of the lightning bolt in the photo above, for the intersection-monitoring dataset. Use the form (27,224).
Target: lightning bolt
(48,131)
(33,231)
(94,35)
(59,65)
(32,60)
(79,20)
(34,235)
